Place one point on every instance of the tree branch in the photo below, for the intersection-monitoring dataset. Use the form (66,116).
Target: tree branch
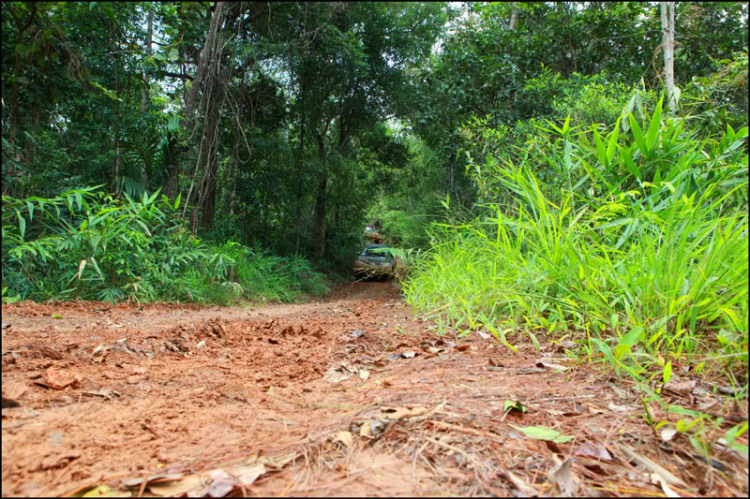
(176,75)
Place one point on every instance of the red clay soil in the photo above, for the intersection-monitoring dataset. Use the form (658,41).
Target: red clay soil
(352,395)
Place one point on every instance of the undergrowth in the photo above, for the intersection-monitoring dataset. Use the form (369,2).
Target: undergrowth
(637,247)
(635,250)
(86,244)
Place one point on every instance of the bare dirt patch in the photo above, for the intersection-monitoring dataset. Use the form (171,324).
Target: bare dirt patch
(347,396)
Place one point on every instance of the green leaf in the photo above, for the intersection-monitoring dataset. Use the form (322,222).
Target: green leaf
(668,372)
(602,153)
(633,337)
(735,432)
(700,445)
(534,341)
(613,136)
(693,318)
(638,135)
(513,405)
(629,164)
(21,223)
(653,129)
(604,348)
(544,433)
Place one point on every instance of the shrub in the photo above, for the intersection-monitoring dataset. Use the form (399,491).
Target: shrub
(85,244)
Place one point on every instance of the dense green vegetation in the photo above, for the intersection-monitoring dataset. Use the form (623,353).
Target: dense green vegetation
(637,240)
(552,170)
(84,244)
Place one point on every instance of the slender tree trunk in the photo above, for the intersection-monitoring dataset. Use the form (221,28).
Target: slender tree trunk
(450,179)
(145,90)
(513,15)
(17,67)
(512,27)
(116,165)
(667,34)
(149,41)
(34,148)
(319,229)
(210,183)
(232,177)
(170,179)
(14,97)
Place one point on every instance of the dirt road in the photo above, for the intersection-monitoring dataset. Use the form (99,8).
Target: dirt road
(351,395)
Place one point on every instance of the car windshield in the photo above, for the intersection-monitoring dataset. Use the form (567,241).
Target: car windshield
(383,252)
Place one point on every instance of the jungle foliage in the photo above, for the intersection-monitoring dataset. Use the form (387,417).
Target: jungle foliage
(517,152)
(85,244)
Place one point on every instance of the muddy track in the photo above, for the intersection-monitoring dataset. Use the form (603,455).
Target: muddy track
(351,395)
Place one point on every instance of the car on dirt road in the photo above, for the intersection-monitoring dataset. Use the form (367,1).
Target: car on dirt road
(375,260)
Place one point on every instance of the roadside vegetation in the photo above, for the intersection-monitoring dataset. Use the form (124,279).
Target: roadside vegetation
(624,242)
(87,245)
(636,245)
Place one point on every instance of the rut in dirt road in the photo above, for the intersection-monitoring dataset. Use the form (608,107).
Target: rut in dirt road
(352,395)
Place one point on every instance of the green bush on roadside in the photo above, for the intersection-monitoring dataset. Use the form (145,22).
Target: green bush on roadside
(638,245)
(85,244)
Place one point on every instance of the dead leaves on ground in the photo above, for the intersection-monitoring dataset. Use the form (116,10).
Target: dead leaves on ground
(374,426)
(220,482)
(343,371)
(563,477)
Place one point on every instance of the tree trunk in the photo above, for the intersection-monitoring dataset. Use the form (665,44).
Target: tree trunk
(512,27)
(8,187)
(210,179)
(232,177)
(116,165)
(513,15)
(145,94)
(211,133)
(145,90)
(319,229)
(207,55)
(667,34)
(205,58)
(170,179)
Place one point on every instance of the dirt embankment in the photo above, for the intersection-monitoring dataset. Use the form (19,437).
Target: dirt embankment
(347,396)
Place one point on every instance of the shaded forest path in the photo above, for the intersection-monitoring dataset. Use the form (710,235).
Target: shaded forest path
(351,395)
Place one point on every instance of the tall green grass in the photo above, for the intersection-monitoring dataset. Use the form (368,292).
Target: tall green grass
(637,245)
(85,244)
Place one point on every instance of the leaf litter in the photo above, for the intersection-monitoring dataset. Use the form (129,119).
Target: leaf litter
(291,400)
